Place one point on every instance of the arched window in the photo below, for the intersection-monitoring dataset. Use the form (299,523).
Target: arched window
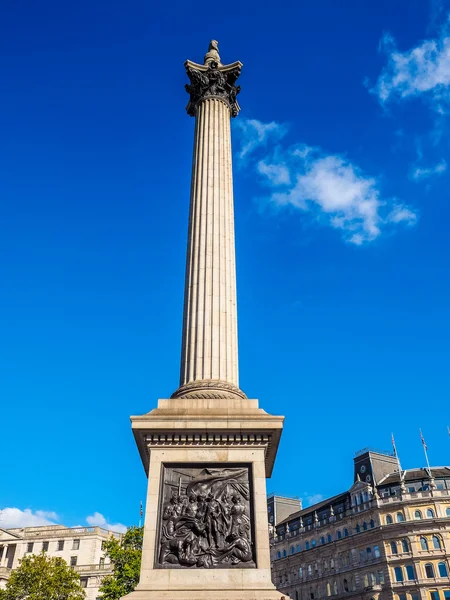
(417,514)
(366,580)
(311,593)
(329,538)
(365,526)
(309,569)
(299,548)
(410,573)
(369,552)
(284,553)
(345,585)
(339,534)
(278,554)
(328,589)
(394,549)
(313,543)
(400,517)
(398,574)
(300,571)
(335,588)
(307,545)
(430,513)
(442,568)
(388,519)
(292,550)
(405,546)
(424,543)
(429,570)
(372,524)
(436,542)
(322,540)
(372,579)
(358,528)
(376,551)
(345,532)
(447,512)
(331,563)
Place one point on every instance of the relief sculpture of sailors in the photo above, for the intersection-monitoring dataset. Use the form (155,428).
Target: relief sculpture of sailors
(206,524)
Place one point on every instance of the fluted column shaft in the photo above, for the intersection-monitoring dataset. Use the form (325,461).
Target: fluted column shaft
(209,346)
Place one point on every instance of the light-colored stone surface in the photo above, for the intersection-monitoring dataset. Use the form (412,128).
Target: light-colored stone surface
(209,344)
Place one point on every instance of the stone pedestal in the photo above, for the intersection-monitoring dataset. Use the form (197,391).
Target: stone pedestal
(216,435)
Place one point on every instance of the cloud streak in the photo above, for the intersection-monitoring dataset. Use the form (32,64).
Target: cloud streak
(329,187)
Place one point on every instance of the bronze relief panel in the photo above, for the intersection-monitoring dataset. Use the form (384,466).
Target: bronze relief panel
(205,517)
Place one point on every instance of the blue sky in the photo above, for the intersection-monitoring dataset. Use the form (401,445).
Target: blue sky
(342,212)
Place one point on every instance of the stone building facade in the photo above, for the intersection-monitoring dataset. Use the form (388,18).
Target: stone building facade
(386,538)
(80,547)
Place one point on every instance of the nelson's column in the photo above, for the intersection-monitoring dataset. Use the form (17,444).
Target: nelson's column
(208,449)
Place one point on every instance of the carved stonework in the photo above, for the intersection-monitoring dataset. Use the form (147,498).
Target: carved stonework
(208,388)
(213,80)
(205,518)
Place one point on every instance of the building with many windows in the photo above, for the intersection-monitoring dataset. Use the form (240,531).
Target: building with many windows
(80,547)
(386,538)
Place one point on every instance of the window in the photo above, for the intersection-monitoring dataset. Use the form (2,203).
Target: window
(442,568)
(447,594)
(300,571)
(284,554)
(400,517)
(369,552)
(376,551)
(372,524)
(405,546)
(339,534)
(415,596)
(76,545)
(388,519)
(60,545)
(313,543)
(436,542)
(101,562)
(328,589)
(292,550)
(30,547)
(417,514)
(307,545)
(429,570)
(358,528)
(434,595)
(424,543)
(394,549)
(322,540)
(346,585)
(298,548)
(447,512)
(329,538)
(410,572)
(335,588)
(398,574)
(73,561)
(381,577)
(311,593)
(430,513)
(83,582)
(278,554)
(309,570)
(346,532)
(402,596)
(45,546)
(365,526)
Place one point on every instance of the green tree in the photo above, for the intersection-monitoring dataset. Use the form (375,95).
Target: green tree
(41,577)
(125,555)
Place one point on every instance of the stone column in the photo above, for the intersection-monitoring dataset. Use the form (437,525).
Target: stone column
(209,357)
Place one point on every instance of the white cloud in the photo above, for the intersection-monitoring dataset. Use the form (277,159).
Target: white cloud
(420,173)
(14,517)
(256,133)
(313,499)
(330,187)
(424,71)
(98,520)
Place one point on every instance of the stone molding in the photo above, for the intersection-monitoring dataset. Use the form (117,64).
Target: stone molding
(208,389)
(207,439)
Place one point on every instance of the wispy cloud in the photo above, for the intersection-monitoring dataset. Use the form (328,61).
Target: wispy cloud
(256,133)
(15,517)
(331,188)
(422,71)
(313,499)
(97,519)
(420,173)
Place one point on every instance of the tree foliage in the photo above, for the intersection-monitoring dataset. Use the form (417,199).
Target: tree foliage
(125,555)
(41,577)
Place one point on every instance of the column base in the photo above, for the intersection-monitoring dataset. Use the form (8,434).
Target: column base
(206,595)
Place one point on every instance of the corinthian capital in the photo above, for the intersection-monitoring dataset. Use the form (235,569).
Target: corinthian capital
(213,80)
